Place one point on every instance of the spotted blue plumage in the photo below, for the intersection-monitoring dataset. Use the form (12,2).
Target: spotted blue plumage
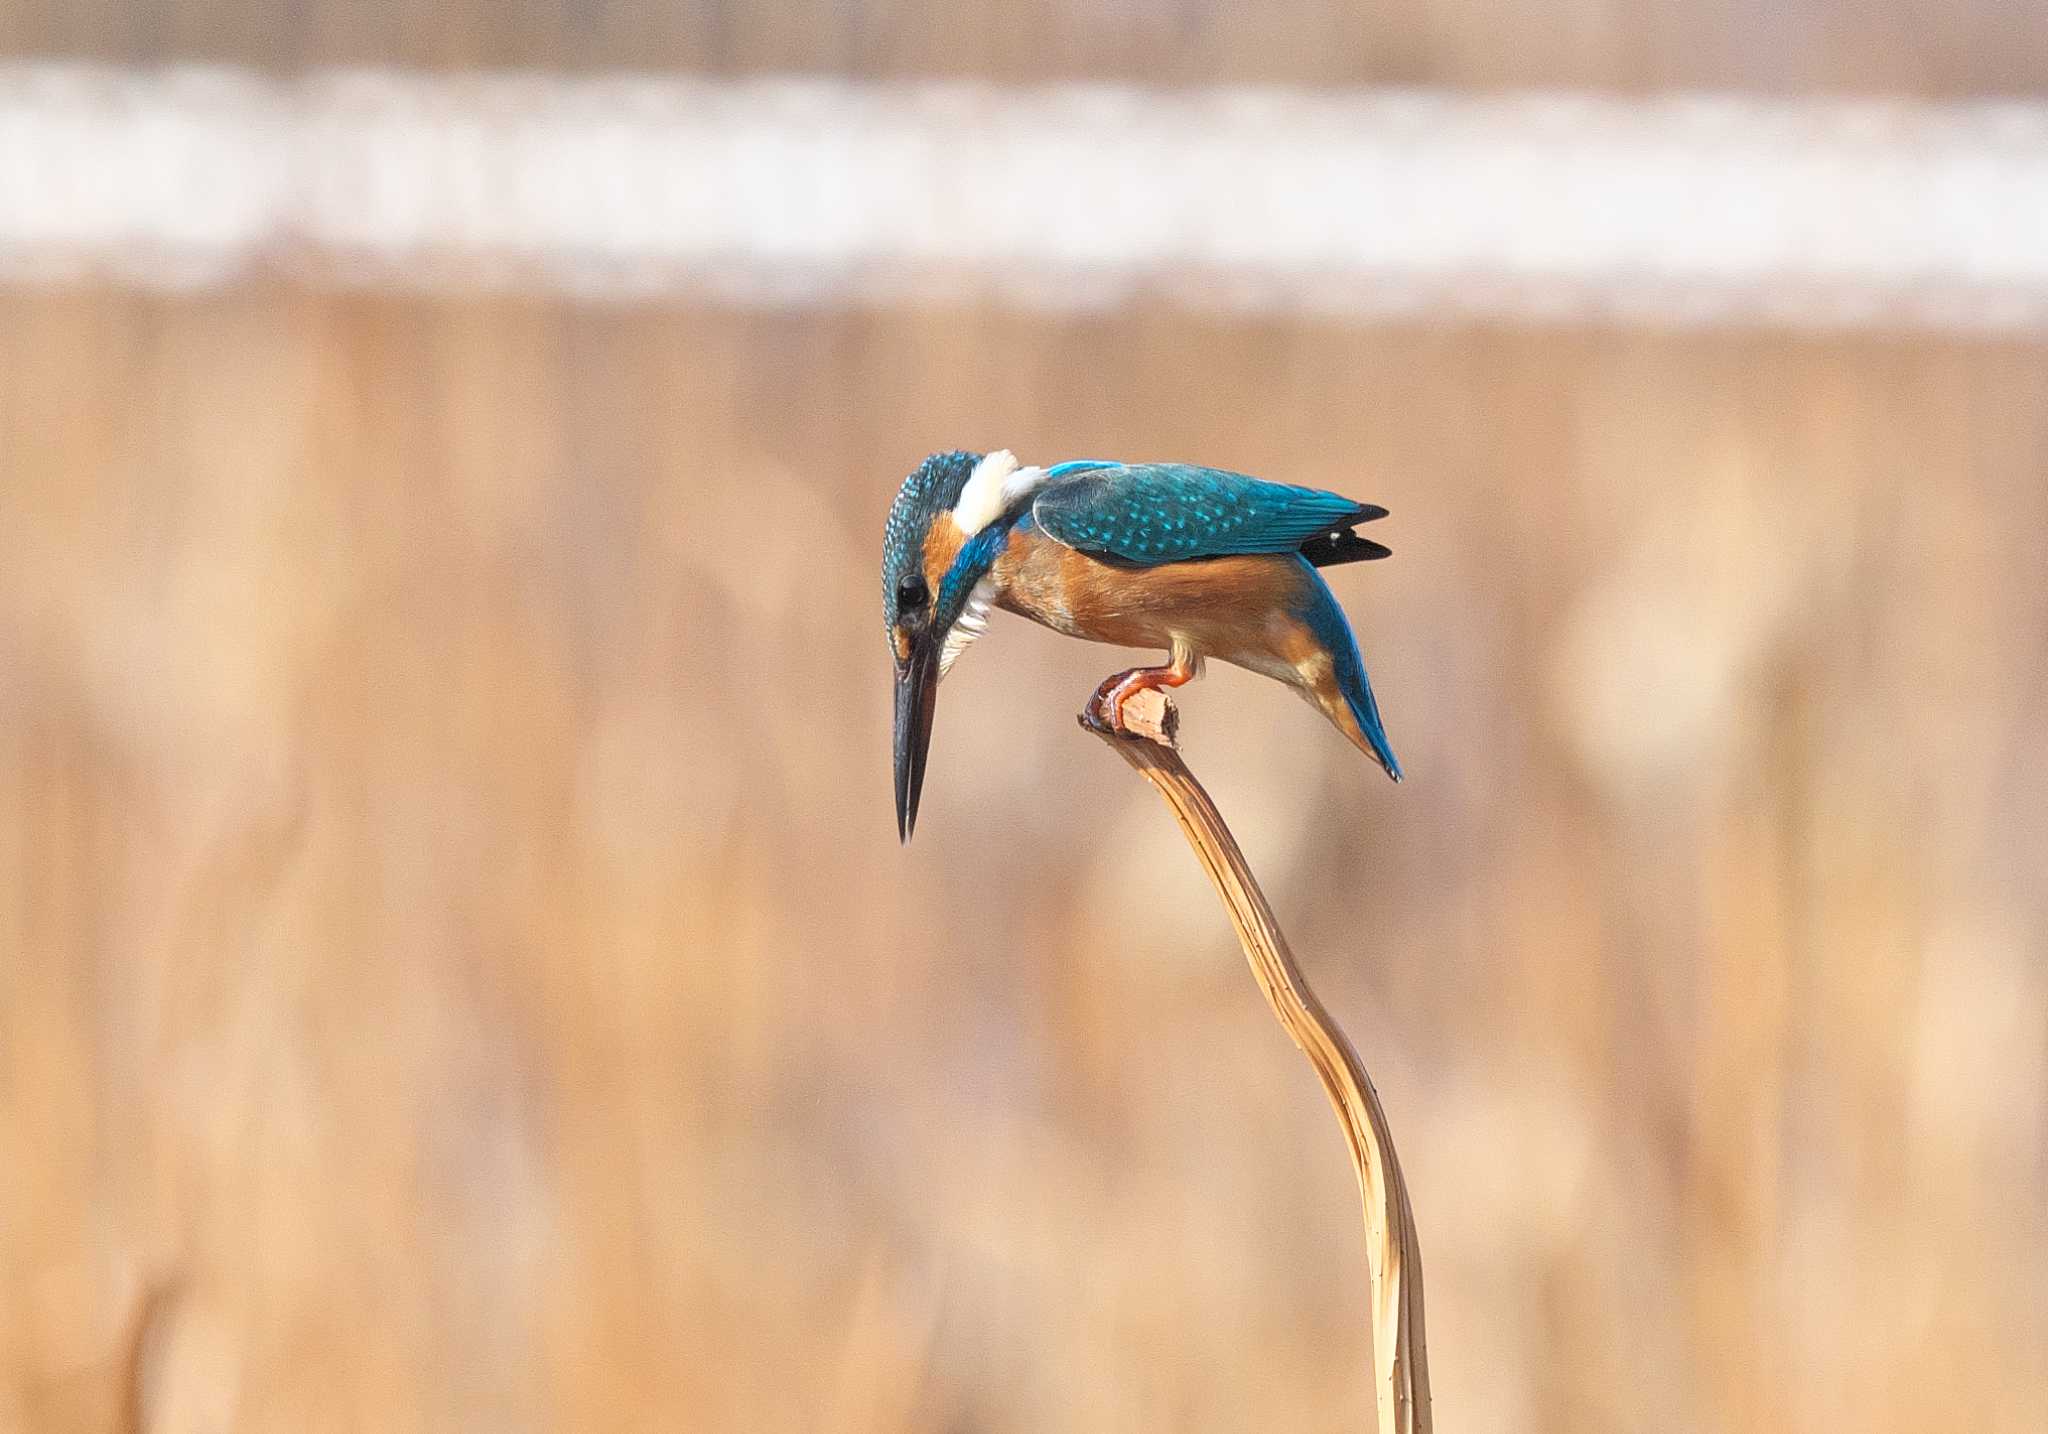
(1152,513)
(930,490)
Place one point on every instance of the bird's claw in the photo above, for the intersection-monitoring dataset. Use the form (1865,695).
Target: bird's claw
(1105,716)
(1104,712)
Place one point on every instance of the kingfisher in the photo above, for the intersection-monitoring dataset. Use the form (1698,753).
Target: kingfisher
(1198,561)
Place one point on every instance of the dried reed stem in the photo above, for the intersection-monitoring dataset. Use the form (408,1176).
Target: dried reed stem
(1393,1255)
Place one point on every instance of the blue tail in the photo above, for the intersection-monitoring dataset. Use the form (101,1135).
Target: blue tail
(1326,620)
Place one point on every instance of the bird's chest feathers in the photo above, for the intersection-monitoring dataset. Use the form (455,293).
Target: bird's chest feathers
(1225,605)
(1033,579)
(1082,596)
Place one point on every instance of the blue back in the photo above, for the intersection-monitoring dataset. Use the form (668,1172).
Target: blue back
(1152,513)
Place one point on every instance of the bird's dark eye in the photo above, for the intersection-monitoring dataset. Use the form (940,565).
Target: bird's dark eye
(911,593)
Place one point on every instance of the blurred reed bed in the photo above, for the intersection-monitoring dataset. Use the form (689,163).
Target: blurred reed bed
(442,971)
(1919,47)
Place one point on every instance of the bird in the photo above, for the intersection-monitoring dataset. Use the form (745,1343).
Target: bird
(1201,562)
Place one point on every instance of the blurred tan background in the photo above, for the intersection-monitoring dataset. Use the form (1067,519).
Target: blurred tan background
(457,972)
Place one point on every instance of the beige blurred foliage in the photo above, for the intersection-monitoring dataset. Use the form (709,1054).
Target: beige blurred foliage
(1916,47)
(456,968)
(459,973)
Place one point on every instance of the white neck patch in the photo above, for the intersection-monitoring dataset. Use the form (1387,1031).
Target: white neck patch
(995,485)
(971,624)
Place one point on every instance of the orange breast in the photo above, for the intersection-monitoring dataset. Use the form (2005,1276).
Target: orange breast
(1231,608)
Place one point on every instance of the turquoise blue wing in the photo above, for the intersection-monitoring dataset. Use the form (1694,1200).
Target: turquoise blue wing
(1151,513)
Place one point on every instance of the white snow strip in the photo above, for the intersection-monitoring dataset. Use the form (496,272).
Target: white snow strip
(1673,210)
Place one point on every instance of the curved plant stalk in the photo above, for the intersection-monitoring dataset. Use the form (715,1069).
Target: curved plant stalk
(1393,1255)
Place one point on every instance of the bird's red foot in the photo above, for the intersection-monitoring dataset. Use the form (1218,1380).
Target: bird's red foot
(1105,710)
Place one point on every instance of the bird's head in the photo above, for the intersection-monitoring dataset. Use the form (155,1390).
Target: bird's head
(946,529)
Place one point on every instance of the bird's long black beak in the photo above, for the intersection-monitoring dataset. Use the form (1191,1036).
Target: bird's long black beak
(917,697)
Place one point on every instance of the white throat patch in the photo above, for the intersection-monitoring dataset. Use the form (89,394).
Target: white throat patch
(972,623)
(996,484)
